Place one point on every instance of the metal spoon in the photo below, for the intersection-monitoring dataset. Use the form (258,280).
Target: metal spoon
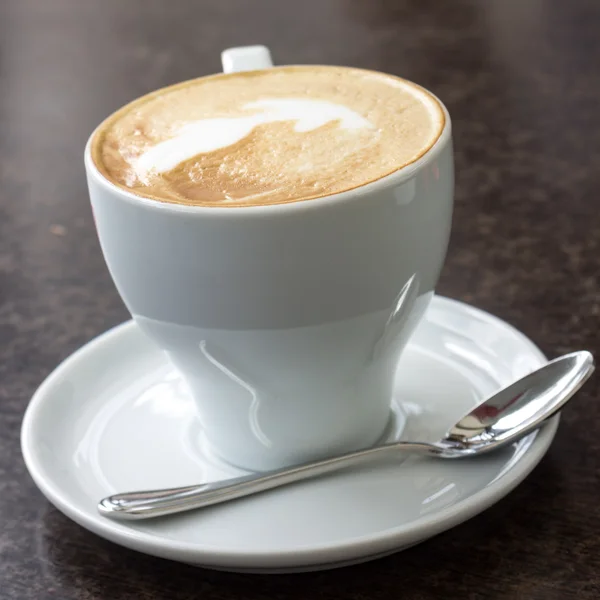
(500,420)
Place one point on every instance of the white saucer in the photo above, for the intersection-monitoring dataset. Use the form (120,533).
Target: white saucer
(115,416)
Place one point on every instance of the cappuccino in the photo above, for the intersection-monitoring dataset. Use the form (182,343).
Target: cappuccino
(267,137)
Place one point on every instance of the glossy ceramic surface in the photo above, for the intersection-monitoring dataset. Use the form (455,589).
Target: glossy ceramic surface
(116,416)
(282,317)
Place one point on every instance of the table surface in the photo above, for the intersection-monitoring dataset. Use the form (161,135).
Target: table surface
(521,81)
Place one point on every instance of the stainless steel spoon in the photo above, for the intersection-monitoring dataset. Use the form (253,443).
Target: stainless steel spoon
(500,420)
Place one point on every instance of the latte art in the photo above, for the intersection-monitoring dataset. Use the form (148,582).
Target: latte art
(267,137)
(209,135)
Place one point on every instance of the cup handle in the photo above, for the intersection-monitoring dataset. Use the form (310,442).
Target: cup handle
(246,58)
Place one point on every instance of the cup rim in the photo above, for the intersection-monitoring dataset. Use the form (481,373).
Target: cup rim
(388,181)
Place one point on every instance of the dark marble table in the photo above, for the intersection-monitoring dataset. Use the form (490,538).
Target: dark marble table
(522,82)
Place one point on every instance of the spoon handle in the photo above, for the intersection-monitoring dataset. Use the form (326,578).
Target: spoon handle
(156,503)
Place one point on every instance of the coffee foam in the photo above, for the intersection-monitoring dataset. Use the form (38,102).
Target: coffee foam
(208,135)
(264,137)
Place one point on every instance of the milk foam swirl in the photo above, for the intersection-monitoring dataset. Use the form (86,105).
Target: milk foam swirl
(208,135)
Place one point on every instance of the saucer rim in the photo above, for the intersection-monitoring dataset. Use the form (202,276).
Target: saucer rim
(308,557)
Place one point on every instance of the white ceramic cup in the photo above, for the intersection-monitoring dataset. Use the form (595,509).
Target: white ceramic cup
(287,320)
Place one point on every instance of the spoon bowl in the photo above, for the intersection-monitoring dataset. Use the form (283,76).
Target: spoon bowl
(519,408)
(501,419)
